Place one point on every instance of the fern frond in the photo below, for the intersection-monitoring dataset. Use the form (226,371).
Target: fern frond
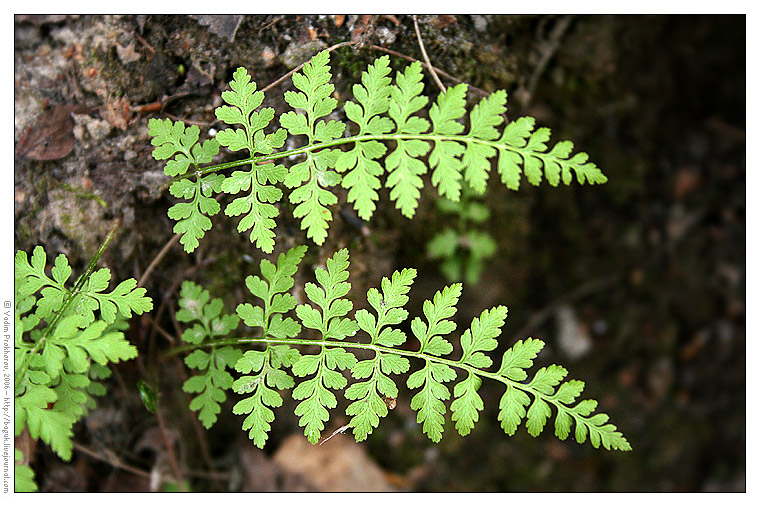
(371,395)
(329,320)
(405,169)
(362,178)
(390,124)
(311,178)
(31,411)
(124,300)
(257,206)
(317,376)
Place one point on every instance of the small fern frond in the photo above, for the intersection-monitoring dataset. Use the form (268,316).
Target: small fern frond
(361,162)
(62,347)
(264,371)
(260,180)
(371,395)
(329,320)
(311,178)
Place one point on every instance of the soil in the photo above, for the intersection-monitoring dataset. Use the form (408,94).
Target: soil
(638,286)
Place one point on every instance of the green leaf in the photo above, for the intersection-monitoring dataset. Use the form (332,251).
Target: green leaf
(437,313)
(257,206)
(328,319)
(148,396)
(310,180)
(481,337)
(23,479)
(197,307)
(445,157)
(467,404)
(518,358)
(176,140)
(125,299)
(51,426)
(428,402)
(330,299)
(370,405)
(403,164)
(512,409)
(362,179)
(484,118)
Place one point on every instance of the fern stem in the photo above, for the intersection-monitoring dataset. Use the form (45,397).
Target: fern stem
(559,406)
(363,346)
(341,141)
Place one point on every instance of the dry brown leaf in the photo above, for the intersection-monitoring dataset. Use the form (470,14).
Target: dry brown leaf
(339,465)
(51,137)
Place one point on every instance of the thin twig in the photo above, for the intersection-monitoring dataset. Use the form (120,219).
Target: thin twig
(162,331)
(425,56)
(111,460)
(549,48)
(439,71)
(590,287)
(271,23)
(191,122)
(286,76)
(157,259)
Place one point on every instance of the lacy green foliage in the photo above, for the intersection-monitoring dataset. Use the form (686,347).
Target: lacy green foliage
(390,140)
(462,249)
(326,326)
(62,347)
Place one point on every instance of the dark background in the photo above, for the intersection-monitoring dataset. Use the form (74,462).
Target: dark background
(650,267)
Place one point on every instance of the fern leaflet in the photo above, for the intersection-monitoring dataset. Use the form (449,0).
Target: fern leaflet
(264,371)
(210,324)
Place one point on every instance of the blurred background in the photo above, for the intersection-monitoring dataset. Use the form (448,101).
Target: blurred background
(637,286)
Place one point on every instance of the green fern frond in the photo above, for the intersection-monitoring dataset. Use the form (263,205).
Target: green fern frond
(392,138)
(361,162)
(257,206)
(264,371)
(317,376)
(311,178)
(174,140)
(62,347)
(370,395)
(331,323)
